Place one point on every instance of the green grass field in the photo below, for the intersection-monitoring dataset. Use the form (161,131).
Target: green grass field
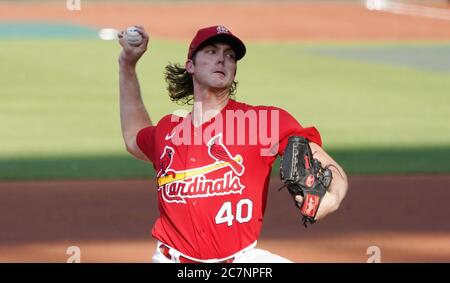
(59,111)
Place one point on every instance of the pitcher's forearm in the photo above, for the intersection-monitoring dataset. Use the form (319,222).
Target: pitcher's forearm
(339,184)
(336,193)
(133,115)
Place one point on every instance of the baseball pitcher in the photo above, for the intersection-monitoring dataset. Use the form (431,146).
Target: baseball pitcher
(213,164)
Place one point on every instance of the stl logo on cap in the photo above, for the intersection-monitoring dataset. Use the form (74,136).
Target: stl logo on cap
(222,29)
(218,32)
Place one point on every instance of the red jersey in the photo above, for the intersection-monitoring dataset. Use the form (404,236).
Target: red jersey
(212,180)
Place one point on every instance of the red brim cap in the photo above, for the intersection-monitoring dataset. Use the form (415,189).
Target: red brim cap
(216,34)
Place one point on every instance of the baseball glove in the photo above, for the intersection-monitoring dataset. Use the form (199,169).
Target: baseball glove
(304,175)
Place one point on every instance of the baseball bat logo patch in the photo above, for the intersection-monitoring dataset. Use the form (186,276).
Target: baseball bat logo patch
(310,205)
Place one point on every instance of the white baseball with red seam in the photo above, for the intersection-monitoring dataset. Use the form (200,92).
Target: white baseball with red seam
(133,37)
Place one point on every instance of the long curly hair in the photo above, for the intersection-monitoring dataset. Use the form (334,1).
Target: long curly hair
(181,86)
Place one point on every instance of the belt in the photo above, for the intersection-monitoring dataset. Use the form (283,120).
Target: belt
(165,251)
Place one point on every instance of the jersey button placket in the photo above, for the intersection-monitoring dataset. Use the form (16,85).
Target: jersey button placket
(190,149)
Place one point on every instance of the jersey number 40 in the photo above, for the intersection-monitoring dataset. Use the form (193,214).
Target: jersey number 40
(244,209)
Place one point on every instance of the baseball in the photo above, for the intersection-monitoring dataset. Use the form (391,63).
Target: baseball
(133,37)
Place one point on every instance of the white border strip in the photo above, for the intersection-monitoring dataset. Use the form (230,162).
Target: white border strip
(408,9)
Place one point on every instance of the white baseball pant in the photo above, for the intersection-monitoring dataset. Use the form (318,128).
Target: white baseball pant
(247,255)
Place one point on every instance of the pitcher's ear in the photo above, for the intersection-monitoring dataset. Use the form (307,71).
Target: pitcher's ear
(189,66)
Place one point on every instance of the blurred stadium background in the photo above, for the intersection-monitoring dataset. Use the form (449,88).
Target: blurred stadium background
(372,76)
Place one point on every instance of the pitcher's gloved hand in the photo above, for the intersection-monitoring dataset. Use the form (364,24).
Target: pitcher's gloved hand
(304,176)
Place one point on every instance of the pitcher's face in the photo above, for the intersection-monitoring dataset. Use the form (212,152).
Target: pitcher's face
(214,66)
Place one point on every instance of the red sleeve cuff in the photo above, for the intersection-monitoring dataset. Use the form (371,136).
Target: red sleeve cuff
(145,141)
(312,134)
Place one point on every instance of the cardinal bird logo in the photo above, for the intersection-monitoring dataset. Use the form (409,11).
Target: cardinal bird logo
(165,161)
(177,186)
(220,153)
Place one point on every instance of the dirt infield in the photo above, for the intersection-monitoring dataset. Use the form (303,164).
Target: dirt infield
(252,21)
(405,216)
